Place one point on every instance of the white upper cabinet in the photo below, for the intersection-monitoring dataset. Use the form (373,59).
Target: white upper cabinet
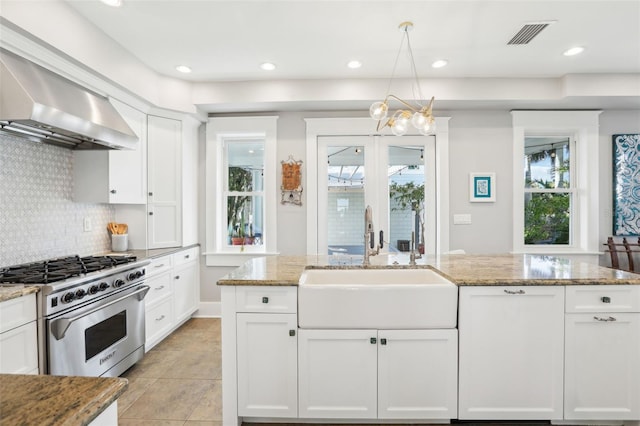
(164,206)
(114,176)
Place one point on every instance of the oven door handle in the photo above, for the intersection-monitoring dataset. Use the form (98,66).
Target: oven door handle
(59,326)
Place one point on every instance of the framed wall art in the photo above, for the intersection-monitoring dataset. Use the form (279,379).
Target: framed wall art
(291,187)
(626,184)
(482,187)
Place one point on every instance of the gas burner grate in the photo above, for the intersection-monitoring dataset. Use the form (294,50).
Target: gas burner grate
(53,270)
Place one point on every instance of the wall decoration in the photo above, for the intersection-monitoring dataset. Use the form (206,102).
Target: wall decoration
(626,184)
(482,187)
(291,187)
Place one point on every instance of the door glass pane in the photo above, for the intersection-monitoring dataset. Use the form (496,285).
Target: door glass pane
(345,206)
(406,197)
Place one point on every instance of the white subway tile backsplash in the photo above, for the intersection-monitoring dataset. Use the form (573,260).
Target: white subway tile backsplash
(38,218)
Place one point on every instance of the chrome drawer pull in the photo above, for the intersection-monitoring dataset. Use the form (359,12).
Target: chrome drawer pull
(159,288)
(159,266)
(161,318)
(514,292)
(604,319)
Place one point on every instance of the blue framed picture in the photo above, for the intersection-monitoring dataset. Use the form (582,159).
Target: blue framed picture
(626,184)
(482,187)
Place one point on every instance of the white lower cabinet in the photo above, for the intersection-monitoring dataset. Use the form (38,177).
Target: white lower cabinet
(18,336)
(602,352)
(511,353)
(174,293)
(386,374)
(267,365)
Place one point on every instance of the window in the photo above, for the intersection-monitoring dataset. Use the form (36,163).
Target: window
(556,182)
(548,190)
(241,196)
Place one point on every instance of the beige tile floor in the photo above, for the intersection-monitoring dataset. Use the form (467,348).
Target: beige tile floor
(178,383)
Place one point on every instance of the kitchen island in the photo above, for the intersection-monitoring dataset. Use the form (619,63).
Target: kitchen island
(59,400)
(537,338)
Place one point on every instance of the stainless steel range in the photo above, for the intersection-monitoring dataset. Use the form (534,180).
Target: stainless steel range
(91,318)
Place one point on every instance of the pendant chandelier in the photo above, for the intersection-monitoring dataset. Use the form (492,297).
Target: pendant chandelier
(414,113)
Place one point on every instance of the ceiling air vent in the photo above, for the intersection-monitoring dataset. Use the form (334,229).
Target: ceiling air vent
(528,32)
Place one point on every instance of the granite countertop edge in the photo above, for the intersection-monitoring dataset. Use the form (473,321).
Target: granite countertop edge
(8,292)
(57,400)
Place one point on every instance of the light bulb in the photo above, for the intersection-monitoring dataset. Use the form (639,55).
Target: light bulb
(399,126)
(418,120)
(378,110)
(427,129)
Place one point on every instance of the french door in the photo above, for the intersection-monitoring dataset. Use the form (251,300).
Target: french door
(396,176)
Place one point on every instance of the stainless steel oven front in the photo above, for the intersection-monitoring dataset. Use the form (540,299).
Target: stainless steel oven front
(103,338)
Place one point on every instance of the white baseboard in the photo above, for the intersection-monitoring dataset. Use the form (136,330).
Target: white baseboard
(208,310)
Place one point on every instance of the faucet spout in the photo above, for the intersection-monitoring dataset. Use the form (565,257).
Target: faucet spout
(369,241)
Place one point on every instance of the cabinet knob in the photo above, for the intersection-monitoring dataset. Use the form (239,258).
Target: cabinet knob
(151,194)
(186,256)
(113,191)
(150,213)
(292,333)
(177,277)
(373,340)
(383,341)
(265,300)
(606,299)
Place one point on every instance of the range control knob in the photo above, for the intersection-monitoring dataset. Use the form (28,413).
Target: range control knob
(134,275)
(94,289)
(103,286)
(80,293)
(68,297)
(118,283)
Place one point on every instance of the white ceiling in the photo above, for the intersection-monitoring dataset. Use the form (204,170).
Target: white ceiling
(307,39)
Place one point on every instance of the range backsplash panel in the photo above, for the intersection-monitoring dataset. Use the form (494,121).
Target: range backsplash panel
(38,218)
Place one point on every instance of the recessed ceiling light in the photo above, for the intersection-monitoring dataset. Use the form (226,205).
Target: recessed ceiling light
(354,64)
(574,51)
(439,63)
(183,68)
(268,66)
(112,3)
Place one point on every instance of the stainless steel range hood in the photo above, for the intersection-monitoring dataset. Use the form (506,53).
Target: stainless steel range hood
(42,106)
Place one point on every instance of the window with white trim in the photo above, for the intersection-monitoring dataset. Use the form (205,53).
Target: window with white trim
(556,182)
(241,197)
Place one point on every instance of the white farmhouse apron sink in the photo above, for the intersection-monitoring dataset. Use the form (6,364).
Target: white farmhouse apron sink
(376,299)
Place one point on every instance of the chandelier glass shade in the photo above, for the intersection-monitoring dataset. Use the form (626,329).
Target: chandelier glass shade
(412,113)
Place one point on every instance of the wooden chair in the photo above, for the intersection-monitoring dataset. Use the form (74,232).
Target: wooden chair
(614,248)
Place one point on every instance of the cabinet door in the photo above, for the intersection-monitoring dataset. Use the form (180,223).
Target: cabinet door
(19,350)
(164,182)
(185,286)
(128,169)
(418,374)
(267,365)
(602,368)
(158,322)
(511,353)
(338,374)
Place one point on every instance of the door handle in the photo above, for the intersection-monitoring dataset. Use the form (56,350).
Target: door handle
(60,326)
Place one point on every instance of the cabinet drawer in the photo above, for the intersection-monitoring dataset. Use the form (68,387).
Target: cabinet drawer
(159,287)
(158,319)
(603,298)
(16,312)
(185,256)
(159,265)
(267,299)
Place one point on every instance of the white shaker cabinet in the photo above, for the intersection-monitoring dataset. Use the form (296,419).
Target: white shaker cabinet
(186,283)
(267,359)
(18,336)
(384,374)
(164,205)
(602,352)
(114,176)
(511,353)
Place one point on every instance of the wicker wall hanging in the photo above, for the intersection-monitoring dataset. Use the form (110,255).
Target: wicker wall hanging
(291,181)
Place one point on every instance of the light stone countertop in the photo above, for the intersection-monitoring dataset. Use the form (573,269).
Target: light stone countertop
(463,270)
(56,400)
(8,292)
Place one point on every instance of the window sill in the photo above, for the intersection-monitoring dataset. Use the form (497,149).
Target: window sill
(233,258)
